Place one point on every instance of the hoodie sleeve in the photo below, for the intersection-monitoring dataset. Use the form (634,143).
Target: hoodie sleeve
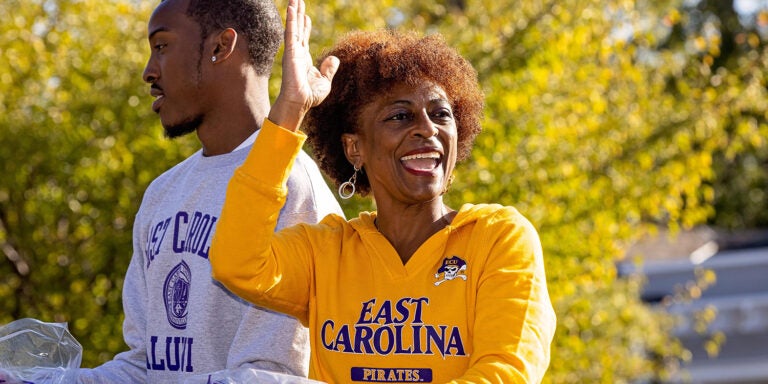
(514,319)
(245,254)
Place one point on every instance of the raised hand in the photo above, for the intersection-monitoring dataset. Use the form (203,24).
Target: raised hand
(303,86)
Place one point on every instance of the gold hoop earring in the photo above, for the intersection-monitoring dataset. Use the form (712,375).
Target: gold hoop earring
(347,188)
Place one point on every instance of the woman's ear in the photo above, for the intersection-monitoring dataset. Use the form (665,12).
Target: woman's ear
(352,149)
(224,45)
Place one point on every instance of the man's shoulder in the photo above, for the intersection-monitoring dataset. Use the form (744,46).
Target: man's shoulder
(177,168)
(308,190)
(305,173)
(160,185)
(305,162)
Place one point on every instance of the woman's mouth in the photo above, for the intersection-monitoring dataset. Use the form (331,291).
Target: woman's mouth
(421,162)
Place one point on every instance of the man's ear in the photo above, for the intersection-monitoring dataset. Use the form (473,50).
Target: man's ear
(351,144)
(224,45)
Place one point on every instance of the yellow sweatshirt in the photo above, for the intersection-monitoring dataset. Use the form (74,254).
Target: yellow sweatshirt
(471,305)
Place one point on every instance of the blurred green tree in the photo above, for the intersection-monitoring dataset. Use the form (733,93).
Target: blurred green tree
(604,119)
(724,80)
(79,146)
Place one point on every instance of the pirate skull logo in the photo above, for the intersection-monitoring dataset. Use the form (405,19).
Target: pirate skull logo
(452,268)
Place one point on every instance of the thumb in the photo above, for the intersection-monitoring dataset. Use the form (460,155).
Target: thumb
(329,66)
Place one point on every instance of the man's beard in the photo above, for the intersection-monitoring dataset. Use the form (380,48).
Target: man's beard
(185,127)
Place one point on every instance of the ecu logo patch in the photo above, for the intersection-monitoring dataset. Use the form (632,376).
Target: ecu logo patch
(452,268)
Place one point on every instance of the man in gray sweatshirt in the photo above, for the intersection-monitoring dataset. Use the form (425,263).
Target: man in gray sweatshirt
(208,70)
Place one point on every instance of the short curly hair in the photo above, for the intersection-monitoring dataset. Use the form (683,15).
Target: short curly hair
(371,64)
(256,20)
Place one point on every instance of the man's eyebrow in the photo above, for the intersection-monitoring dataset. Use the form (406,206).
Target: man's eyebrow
(155,31)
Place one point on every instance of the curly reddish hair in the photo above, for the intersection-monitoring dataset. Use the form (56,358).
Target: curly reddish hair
(371,64)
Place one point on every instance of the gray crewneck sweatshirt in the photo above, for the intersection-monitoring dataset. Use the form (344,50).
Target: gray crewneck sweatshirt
(178,321)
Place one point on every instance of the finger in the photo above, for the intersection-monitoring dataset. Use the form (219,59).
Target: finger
(290,24)
(307,30)
(301,14)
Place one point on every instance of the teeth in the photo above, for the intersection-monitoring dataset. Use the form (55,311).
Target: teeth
(429,155)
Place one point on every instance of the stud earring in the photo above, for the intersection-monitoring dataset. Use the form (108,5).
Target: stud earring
(213,59)
(347,188)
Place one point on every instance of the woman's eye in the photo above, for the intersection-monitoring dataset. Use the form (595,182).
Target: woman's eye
(442,114)
(398,116)
(160,46)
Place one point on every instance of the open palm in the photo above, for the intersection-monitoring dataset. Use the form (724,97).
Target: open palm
(303,86)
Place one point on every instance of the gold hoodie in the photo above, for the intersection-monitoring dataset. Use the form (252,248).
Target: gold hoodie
(471,305)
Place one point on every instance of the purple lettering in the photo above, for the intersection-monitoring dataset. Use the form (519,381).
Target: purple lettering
(192,231)
(437,340)
(399,341)
(189,367)
(176,341)
(323,337)
(178,245)
(342,339)
(417,339)
(157,366)
(417,313)
(454,341)
(378,341)
(367,310)
(204,250)
(363,336)
(154,240)
(402,310)
(385,313)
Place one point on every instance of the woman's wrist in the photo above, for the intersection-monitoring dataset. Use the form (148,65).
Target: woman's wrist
(287,114)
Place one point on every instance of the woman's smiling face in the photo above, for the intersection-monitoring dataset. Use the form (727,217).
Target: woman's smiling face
(406,143)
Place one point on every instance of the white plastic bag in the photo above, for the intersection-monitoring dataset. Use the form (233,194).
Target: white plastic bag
(32,351)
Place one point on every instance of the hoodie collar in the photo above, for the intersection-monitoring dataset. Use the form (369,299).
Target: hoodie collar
(468,213)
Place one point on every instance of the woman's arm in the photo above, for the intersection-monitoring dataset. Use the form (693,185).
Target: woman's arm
(245,256)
